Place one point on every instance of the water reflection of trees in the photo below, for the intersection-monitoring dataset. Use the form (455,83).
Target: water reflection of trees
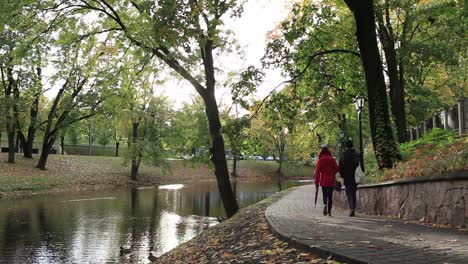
(53,229)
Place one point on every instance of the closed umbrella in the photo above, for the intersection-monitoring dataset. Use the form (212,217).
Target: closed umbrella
(316,194)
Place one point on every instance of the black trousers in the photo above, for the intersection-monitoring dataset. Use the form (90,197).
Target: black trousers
(351,196)
(327,194)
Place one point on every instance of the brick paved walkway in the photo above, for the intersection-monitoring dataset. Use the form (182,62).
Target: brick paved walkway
(362,239)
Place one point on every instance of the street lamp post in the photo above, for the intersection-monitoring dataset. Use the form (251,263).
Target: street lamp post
(340,141)
(359,104)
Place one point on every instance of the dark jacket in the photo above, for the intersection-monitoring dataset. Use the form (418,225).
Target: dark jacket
(349,161)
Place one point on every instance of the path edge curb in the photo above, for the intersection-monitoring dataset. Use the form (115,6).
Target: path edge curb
(324,253)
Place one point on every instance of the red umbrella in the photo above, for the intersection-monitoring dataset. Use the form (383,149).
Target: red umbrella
(316,194)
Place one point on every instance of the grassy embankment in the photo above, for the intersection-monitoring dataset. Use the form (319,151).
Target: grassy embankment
(437,152)
(77,173)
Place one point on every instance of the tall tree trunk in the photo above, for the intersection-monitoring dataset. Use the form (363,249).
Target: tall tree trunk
(234,167)
(281,148)
(49,133)
(28,144)
(62,144)
(117,144)
(9,104)
(280,167)
(90,137)
(397,98)
(218,155)
(385,147)
(17,143)
(46,147)
(135,162)
(34,113)
(11,145)
(20,141)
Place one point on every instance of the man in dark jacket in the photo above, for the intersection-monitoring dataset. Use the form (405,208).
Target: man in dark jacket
(349,161)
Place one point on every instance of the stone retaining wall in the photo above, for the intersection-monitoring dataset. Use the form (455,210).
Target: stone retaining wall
(438,199)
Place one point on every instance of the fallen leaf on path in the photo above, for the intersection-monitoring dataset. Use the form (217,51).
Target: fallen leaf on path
(306,256)
(227,255)
(268,252)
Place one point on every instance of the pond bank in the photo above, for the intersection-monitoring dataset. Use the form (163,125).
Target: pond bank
(244,238)
(83,173)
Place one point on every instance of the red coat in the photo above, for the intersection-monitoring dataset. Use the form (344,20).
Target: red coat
(325,171)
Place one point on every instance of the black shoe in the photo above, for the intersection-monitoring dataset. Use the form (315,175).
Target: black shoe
(352,213)
(325,210)
(329,213)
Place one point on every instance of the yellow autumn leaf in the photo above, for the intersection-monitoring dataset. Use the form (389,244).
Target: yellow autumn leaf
(268,252)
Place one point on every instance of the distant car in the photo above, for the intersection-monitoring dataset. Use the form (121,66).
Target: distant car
(270,158)
(257,157)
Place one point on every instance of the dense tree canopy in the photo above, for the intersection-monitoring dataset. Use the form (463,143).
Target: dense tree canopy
(89,72)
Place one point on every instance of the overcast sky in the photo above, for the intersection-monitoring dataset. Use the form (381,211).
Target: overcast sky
(259,17)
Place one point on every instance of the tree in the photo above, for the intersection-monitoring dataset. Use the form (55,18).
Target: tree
(148,134)
(394,69)
(82,78)
(416,35)
(383,141)
(183,35)
(8,83)
(24,36)
(189,131)
(318,54)
(236,131)
(118,118)
(104,132)
(280,118)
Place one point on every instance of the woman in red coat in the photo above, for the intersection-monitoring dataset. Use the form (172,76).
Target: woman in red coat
(325,177)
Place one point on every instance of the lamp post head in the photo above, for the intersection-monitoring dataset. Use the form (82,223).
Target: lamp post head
(341,134)
(359,103)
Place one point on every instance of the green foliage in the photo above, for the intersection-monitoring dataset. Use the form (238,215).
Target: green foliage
(189,134)
(153,127)
(104,136)
(236,130)
(245,85)
(436,136)
(315,44)
(436,152)
(433,55)
(430,159)
(315,47)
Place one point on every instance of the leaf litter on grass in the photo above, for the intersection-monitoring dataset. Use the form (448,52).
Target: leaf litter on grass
(244,238)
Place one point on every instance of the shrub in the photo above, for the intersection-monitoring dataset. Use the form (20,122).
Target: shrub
(437,152)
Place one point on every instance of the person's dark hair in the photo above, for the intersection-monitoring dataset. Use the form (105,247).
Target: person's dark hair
(325,151)
(349,144)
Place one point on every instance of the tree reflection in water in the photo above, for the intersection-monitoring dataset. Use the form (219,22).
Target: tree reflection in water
(90,228)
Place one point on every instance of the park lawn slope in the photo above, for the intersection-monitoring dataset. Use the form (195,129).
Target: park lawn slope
(77,173)
(437,152)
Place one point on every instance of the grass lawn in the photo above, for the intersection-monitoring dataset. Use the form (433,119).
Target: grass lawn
(76,173)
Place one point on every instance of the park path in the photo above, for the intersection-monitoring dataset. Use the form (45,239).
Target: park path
(362,239)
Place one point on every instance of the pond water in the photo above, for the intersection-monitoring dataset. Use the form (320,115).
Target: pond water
(91,227)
